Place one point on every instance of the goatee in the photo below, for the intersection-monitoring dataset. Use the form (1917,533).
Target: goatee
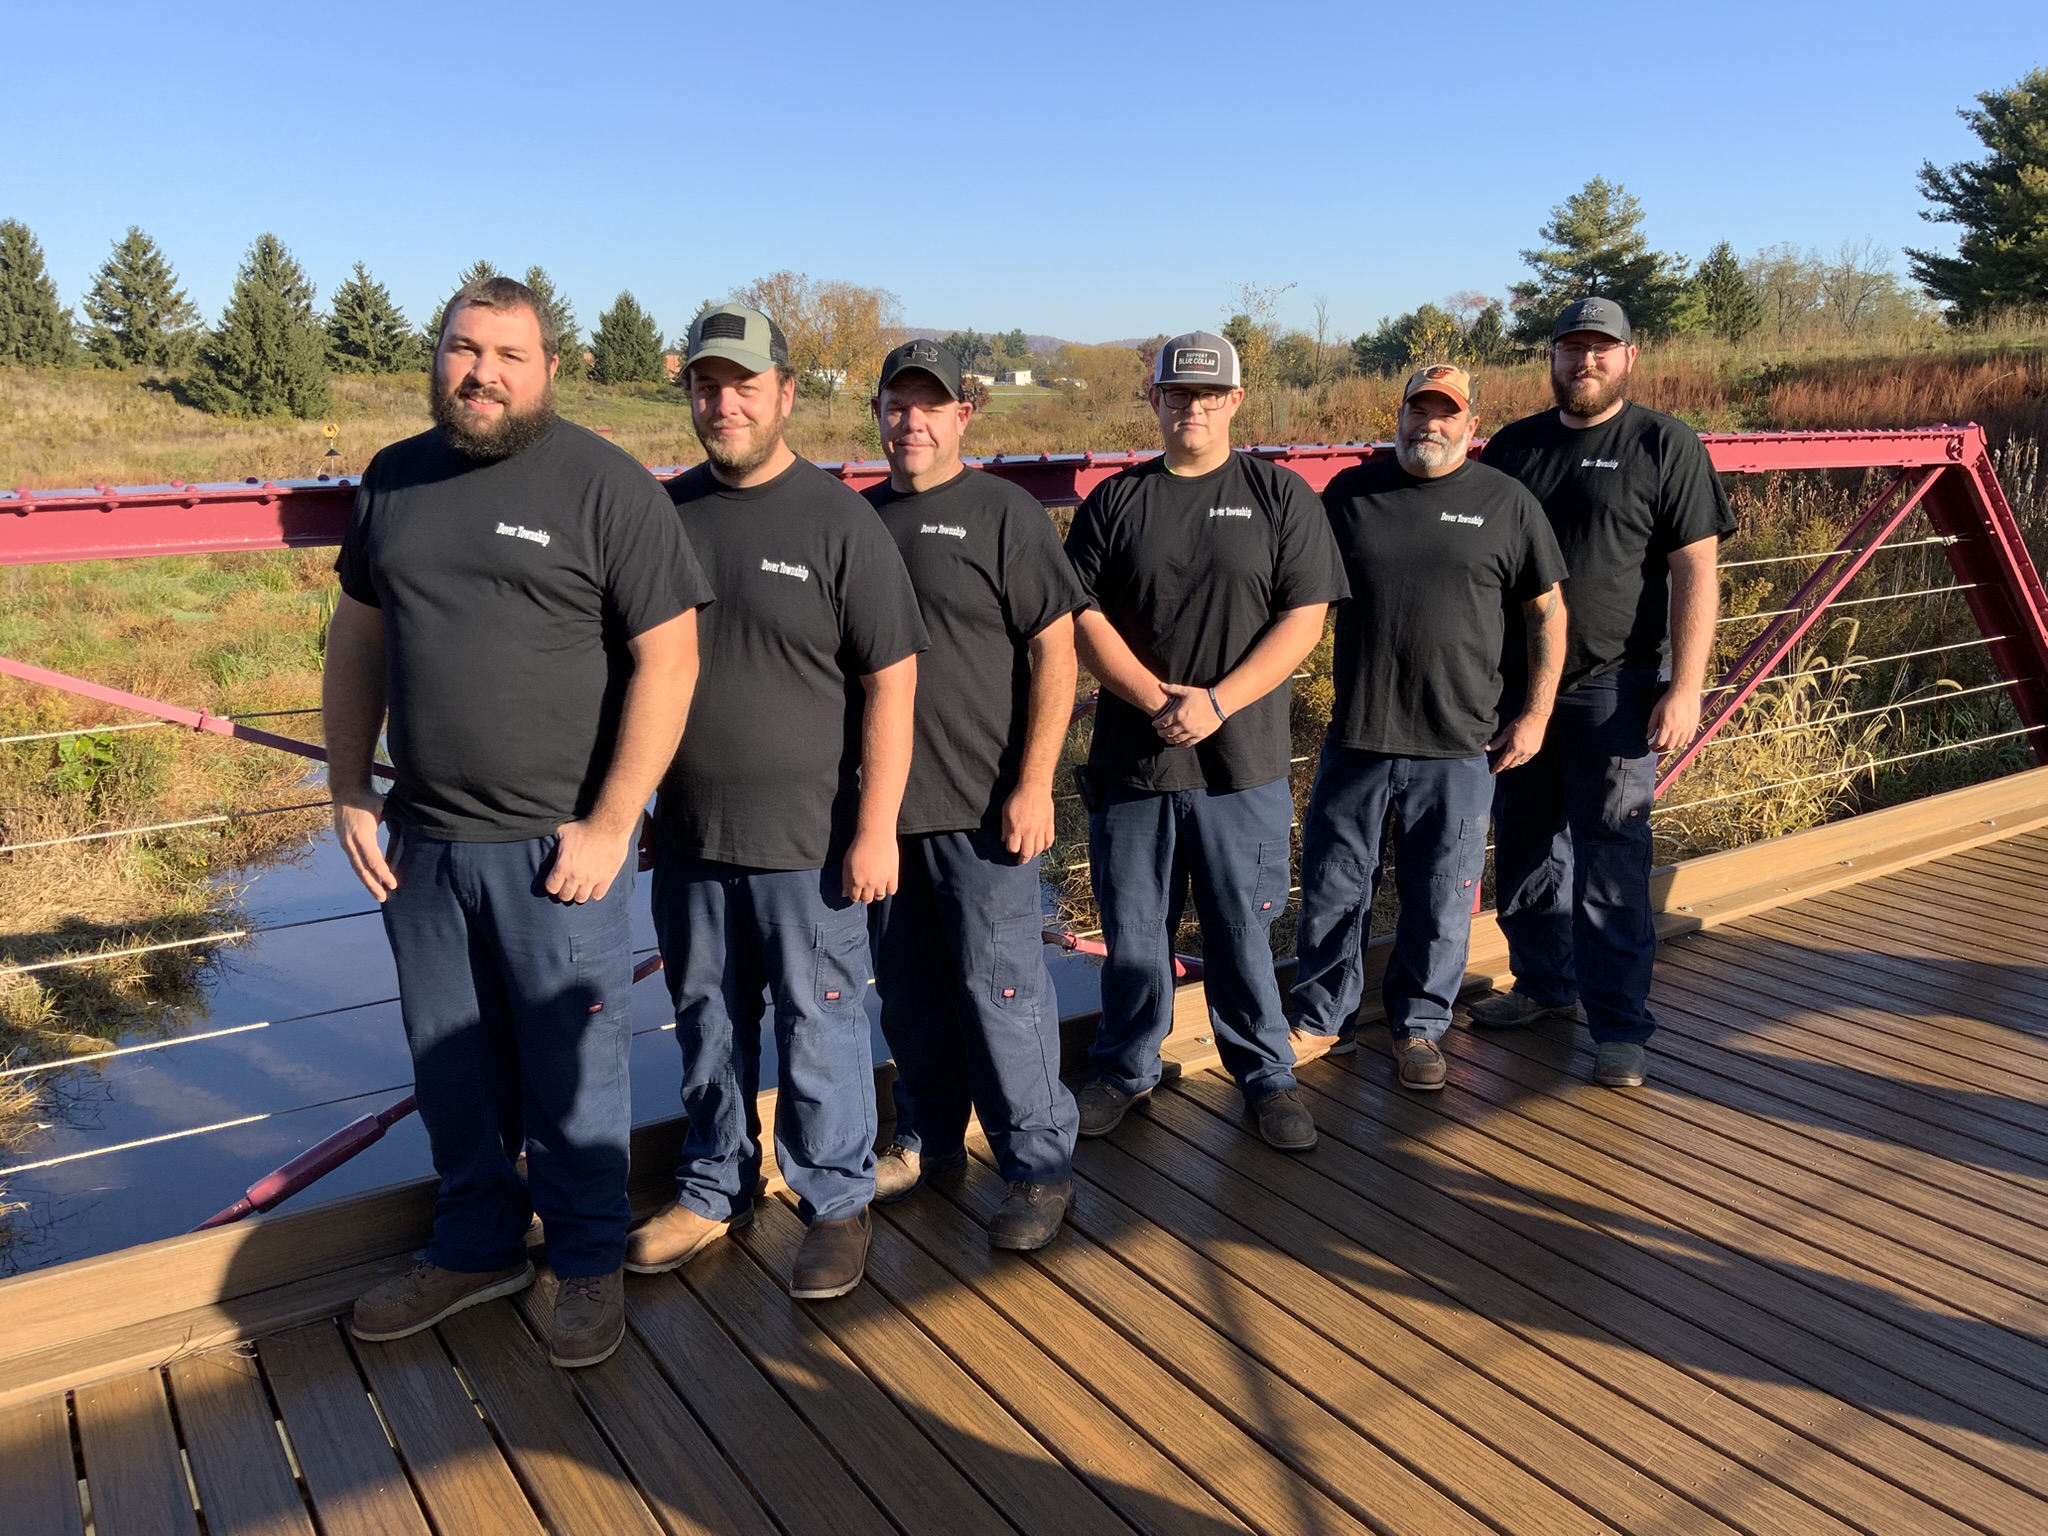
(1587,395)
(474,438)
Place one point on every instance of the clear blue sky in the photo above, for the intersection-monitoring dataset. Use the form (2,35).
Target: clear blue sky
(1087,170)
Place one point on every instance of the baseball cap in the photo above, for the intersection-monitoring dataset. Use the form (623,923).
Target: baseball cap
(1197,358)
(1442,379)
(1603,316)
(739,335)
(924,356)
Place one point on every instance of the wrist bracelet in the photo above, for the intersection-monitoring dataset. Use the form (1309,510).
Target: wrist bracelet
(1220,716)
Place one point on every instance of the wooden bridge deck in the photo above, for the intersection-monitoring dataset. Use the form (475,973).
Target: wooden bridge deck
(1795,1285)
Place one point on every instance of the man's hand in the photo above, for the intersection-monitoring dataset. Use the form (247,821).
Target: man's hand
(1675,719)
(869,872)
(1188,717)
(355,827)
(1519,741)
(1028,821)
(588,859)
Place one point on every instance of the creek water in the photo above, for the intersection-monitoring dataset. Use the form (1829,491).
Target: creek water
(295,1034)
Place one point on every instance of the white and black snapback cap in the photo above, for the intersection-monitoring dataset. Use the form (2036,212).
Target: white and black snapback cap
(1197,359)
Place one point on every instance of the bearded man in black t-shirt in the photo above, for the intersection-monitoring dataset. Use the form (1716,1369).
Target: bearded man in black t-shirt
(1639,515)
(516,593)
(1209,574)
(777,822)
(1438,551)
(967,1003)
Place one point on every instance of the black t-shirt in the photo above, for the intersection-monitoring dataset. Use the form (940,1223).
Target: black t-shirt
(989,575)
(509,590)
(814,598)
(1621,497)
(1434,565)
(1191,571)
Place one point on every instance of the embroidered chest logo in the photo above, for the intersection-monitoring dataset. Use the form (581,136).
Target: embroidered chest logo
(784,568)
(1599,463)
(538,536)
(950,530)
(1244,512)
(1465,518)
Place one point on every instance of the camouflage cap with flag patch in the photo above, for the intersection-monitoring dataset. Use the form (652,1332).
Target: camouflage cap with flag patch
(1443,379)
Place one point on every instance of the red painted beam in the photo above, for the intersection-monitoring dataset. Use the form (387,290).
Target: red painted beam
(114,523)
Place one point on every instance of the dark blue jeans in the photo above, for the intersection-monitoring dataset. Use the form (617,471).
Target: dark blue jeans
(516,1009)
(1572,857)
(1145,851)
(968,1006)
(735,940)
(1439,808)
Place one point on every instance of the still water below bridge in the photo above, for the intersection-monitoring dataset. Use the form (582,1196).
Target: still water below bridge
(326,1047)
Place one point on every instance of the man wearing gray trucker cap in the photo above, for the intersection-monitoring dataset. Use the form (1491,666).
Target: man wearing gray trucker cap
(777,820)
(1639,516)
(1209,574)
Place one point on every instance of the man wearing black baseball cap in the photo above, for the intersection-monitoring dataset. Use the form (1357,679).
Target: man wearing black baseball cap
(967,1004)
(1209,574)
(777,820)
(1439,550)
(1639,515)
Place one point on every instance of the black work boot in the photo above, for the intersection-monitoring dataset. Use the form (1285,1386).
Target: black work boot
(1030,1216)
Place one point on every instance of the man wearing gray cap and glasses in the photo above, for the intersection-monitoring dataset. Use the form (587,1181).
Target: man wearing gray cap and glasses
(1209,574)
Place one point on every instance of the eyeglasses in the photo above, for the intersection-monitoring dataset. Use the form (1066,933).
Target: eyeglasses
(1599,351)
(1191,399)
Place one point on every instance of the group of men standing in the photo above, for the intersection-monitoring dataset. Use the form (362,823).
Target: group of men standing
(853,709)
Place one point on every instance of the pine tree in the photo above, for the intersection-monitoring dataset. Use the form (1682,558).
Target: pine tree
(626,346)
(367,332)
(267,357)
(564,315)
(2001,202)
(140,316)
(1727,300)
(1594,244)
(35,330)
(475,272)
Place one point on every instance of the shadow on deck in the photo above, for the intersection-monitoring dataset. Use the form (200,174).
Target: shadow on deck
(1794,1285)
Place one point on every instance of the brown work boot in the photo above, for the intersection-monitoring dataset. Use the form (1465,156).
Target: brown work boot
(1310,1046)
(425,1294)
(831,1259)
(675,1236)
(1421,1061)
(590,1319)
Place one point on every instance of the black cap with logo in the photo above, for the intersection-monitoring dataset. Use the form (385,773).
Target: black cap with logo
(1604,317)
(926,357)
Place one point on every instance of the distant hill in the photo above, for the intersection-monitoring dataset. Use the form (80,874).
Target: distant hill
(930,333)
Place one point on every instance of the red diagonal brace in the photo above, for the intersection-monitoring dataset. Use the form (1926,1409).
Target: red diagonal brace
(1834,574)
(197,719)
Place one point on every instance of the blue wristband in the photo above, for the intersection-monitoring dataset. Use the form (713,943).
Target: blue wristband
(1220,716)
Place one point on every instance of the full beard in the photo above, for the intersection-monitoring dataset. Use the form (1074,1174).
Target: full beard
(738,460)
(1586,394)
(1429,451)
(476,439)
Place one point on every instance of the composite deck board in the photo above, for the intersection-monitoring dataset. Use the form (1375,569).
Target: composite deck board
(461,1477)
(132,1464)
(245,1484)
(1793,1287)
(349,1467)
(38,1472)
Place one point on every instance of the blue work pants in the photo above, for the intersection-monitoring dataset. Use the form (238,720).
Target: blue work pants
(736,941)
(1146,850)
(1572,857)
(968,1006)
(516,1007)
(1438,808)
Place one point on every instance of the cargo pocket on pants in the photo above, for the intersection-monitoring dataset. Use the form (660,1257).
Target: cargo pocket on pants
(1012,983)
(1269,889)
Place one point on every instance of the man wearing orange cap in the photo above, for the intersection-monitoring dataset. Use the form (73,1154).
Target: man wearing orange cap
(1437,550)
